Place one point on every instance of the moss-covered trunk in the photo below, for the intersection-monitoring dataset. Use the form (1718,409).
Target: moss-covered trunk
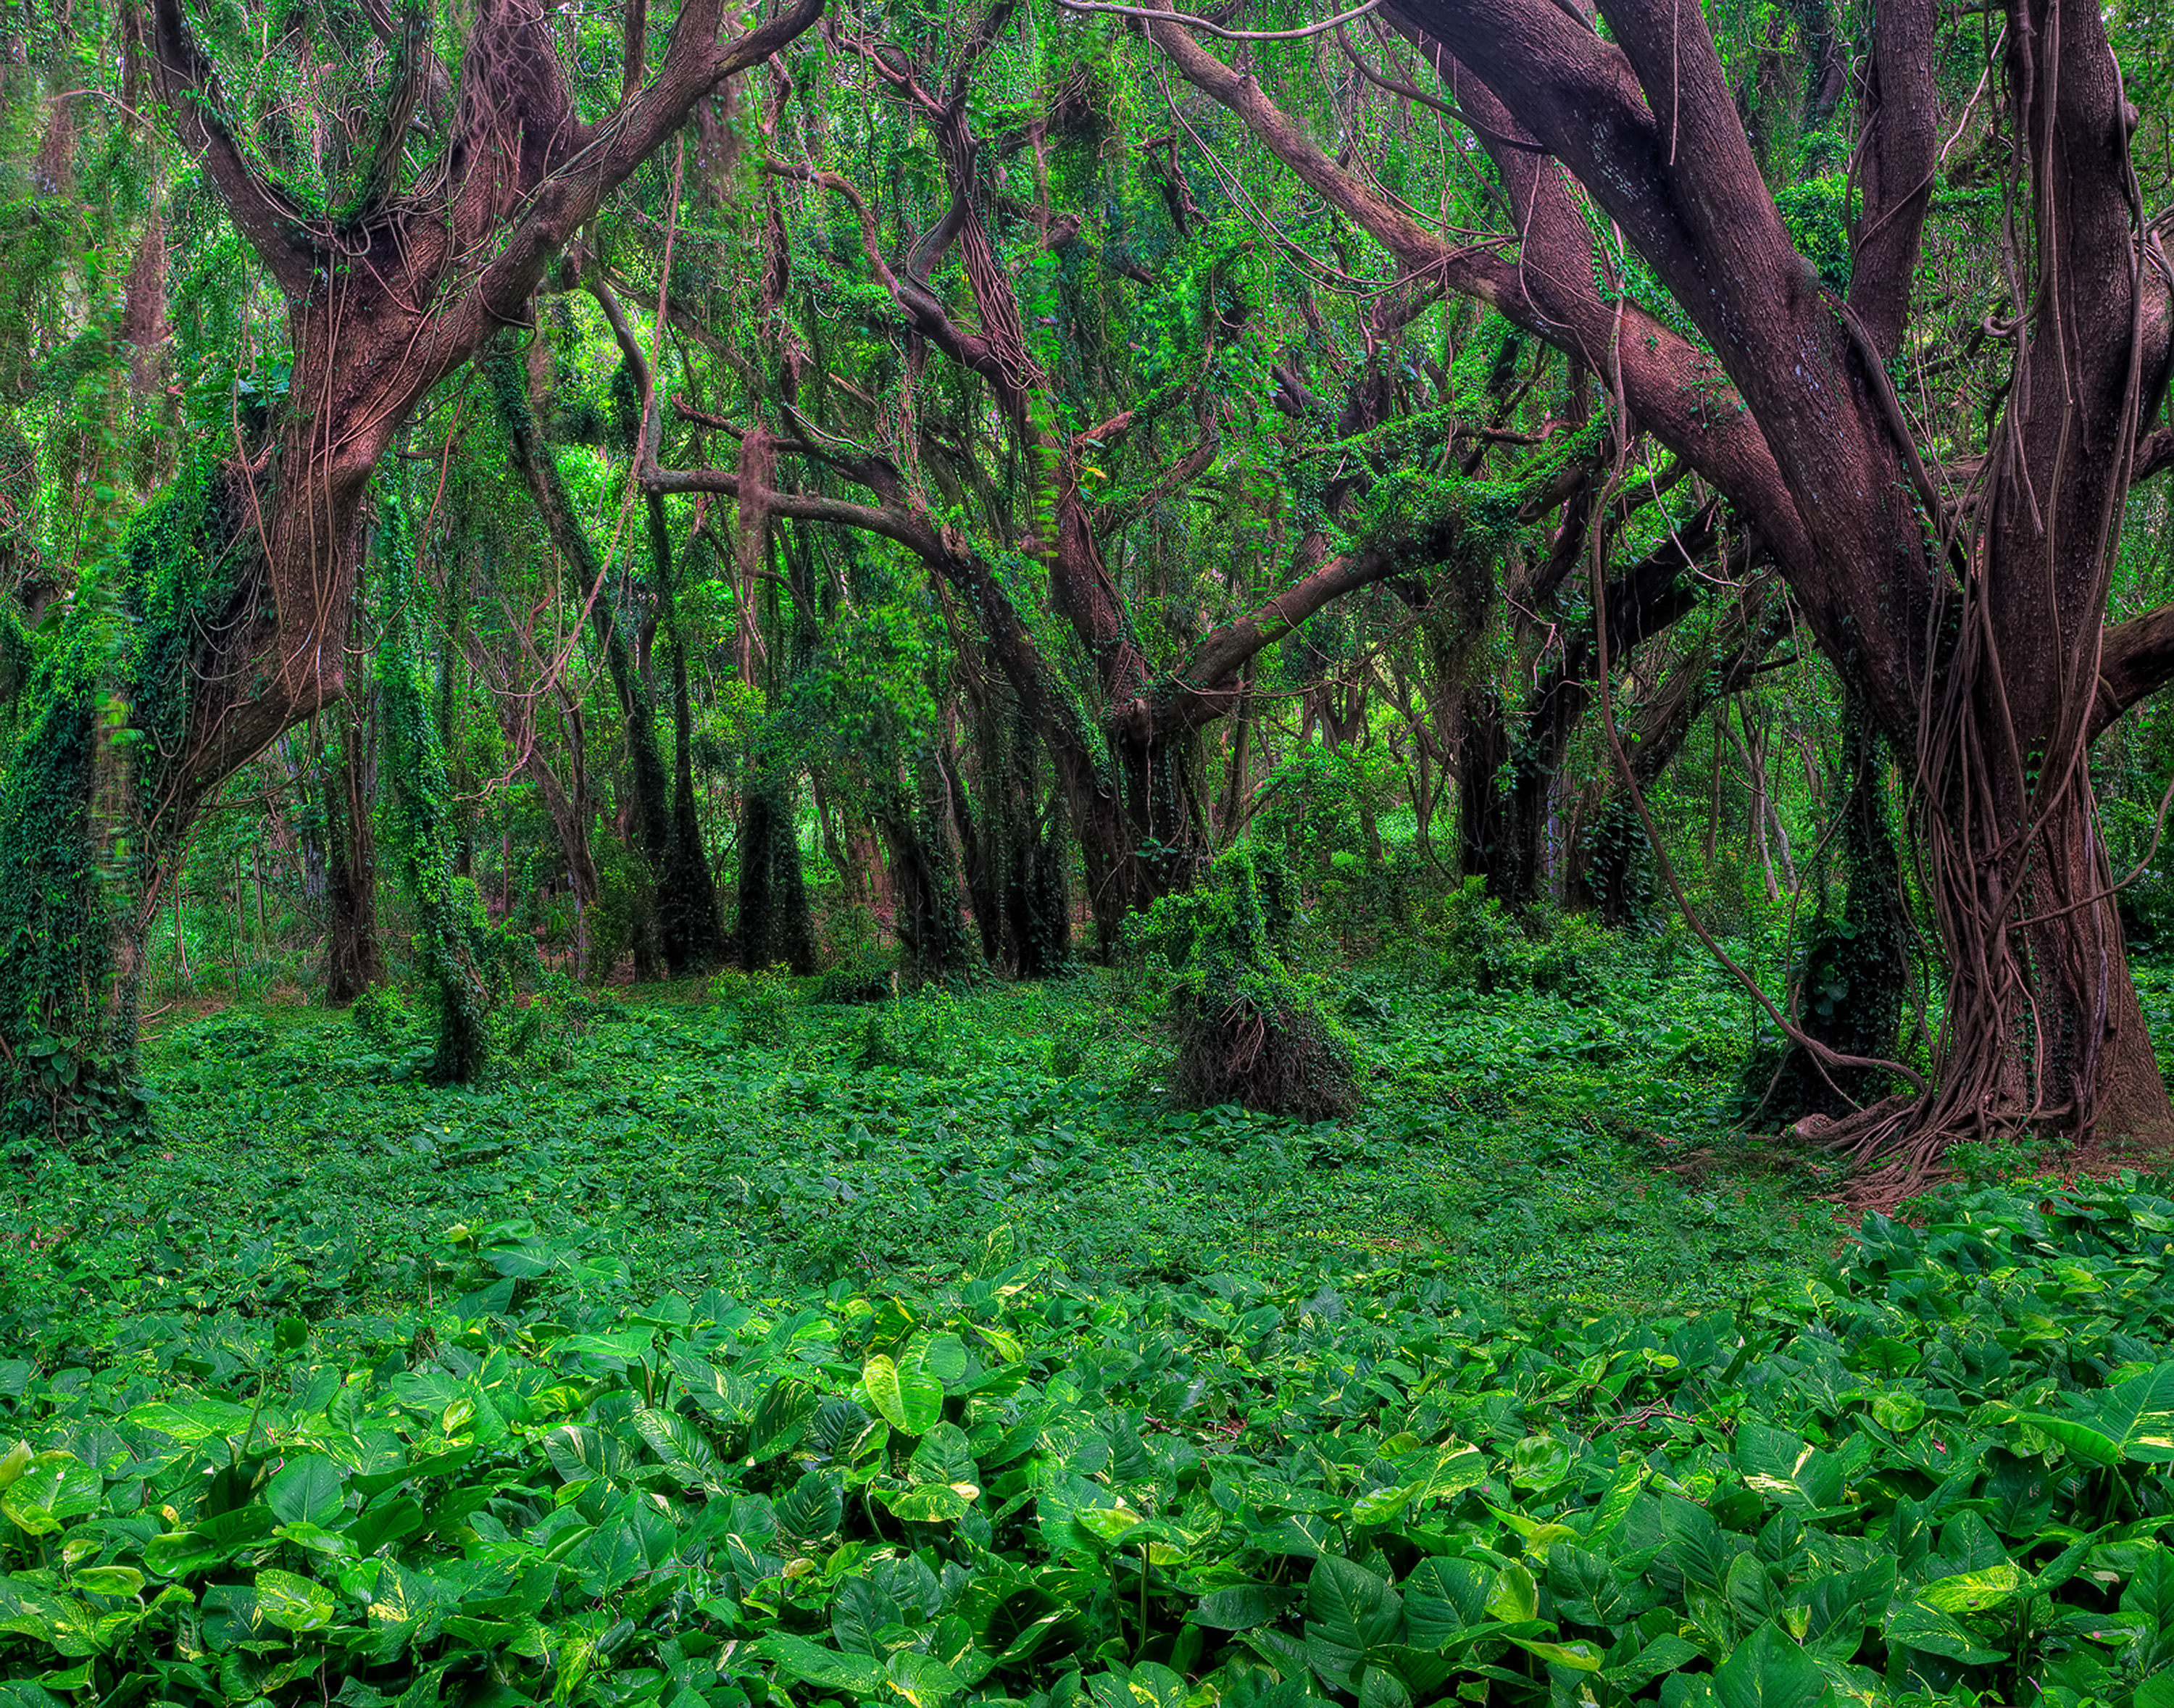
(775,928)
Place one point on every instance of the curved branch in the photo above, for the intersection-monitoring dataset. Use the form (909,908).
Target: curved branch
(275,224)
(1671,387)
(2135,661)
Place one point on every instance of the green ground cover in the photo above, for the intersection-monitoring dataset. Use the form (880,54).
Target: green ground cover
(734,1349)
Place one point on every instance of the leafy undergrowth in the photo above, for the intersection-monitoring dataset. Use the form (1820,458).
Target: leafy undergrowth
(1936,1470)
(305,1169)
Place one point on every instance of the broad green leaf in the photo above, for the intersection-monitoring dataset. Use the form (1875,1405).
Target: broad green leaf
(718,1392)
(1444,1472)
(1615,1505)
(1239,1607)
(1664,1654)
(2134,1420)
(860,1614)
(2150,1591)
(627,1347)
(1972,1592)
(1768,1670)
(922,1679)
(53,1488)
(1581,1656)
(1916,1626)
(1107,1524)
(929,1503)
(581,1454)
(909,1399)
(1350,1606)
(781,1418)
(1786,1470)
(1515,1597)
(800,1662)
(1899,1411)
(2157,1691)
(106,1580)
(1380,1687)
(197,1418)
(681,1447)
(307,1491)
(294,1603)
(214,1541)
(1443,1598)
(944,1356)
(814,1507)
(1539,1462)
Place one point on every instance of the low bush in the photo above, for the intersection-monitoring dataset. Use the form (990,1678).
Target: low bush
(1246,1029)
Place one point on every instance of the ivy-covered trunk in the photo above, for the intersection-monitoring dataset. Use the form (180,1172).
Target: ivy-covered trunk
(451,929)
(914,823)
(775,928)
(94,806)
(1848,985)
(689,926)
(354,960)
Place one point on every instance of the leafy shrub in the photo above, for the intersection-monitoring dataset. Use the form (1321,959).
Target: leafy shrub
(232,1032)
(1068,1049)
(865,978)
(544,1032)
(1483,949)
(924,1031)
(1246,1029)
(765,1010)
(622,907)
(1570,960)
(384,1016)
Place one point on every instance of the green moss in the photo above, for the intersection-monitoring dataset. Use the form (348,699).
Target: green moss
(89,811)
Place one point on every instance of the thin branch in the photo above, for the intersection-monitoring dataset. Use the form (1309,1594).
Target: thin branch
(1192,22)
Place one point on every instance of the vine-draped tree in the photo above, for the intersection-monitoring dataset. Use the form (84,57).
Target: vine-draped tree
(1966,605)
(229,620)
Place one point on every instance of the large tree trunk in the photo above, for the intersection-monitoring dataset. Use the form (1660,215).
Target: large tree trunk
(1850,977)
(924,868)
(691,928)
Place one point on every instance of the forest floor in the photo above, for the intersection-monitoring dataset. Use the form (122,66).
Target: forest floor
(725,1350)
(1523,1146)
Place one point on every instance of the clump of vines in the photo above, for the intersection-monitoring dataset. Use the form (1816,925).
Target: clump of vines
(89,817)
(1247,1028)
(452,937)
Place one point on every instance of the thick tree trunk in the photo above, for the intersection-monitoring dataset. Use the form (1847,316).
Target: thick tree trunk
(1849,983)
(688,925)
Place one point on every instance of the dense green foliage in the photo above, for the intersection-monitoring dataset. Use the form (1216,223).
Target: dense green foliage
(1215,740)
(772,1374)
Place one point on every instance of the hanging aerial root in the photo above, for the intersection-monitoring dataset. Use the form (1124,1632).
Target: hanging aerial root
(1280,1058)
